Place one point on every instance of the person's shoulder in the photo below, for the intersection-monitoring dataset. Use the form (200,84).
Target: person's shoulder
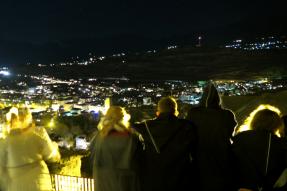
(228,111)
(196,109)
(244,135)
(39,131)
(142,124)
(186,121)
(139,126)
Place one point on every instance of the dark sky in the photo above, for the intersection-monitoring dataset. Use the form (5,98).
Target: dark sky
(50,30)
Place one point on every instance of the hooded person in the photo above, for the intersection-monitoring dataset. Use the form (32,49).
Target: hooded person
(215,126)
(168,162)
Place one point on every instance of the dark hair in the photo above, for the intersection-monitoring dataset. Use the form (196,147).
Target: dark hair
(266,120)
(167,105)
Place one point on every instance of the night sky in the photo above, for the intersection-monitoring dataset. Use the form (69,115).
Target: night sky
(47,31)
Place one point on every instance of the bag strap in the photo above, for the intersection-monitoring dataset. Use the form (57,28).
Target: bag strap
(268,154)
(267,160)
(151,138)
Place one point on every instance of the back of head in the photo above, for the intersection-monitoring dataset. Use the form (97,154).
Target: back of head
(12,118)
(115,113)
(167,105)
(116,118)
(267,120)
(24,115)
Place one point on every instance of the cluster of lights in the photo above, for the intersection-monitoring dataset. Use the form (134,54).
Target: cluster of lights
(119,55)
(151,51)
(93,59)
(171,47)
(262,44)
(238,88)
(95,91)
(4,71)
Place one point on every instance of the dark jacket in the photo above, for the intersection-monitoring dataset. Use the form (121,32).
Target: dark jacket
(250,150)
(215,126)
(171,169)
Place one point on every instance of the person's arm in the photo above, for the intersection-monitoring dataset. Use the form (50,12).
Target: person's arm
(50,149)
(137,127)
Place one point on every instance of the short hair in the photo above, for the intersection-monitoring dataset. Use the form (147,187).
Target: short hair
(266,120)
(167,105)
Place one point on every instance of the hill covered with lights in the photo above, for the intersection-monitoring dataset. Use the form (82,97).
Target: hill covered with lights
(172,63)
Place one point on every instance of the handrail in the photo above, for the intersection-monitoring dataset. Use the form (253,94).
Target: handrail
(71,183)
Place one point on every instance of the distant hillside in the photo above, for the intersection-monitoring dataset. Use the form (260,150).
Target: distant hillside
(186,63)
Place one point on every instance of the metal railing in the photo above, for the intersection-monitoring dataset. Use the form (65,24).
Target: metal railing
(71,183)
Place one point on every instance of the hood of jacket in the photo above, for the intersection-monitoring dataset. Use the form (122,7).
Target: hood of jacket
(210,97)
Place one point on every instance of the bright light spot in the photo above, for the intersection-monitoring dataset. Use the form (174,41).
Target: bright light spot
(51,123)
(81,142)
(55,107)
(126,119)
(5,73)
(12,110)
(107,106)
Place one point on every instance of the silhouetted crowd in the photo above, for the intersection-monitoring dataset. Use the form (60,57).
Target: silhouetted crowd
(205,152)
(208,151)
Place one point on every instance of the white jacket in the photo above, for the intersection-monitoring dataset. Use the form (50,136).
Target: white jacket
(26,152)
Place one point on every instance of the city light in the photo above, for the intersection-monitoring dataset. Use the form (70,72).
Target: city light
(51,124)
(5,73)
(261,44)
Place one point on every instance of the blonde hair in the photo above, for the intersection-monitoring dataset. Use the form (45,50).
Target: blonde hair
(24,115)
(19,117)
(12,118)
(116,118)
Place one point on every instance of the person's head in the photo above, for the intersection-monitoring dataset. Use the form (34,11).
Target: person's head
(167,105)
(12,118)
(116,118)
(267,120)
(210,97)
(25,116)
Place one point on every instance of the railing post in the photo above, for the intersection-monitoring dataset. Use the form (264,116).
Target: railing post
(71,183)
